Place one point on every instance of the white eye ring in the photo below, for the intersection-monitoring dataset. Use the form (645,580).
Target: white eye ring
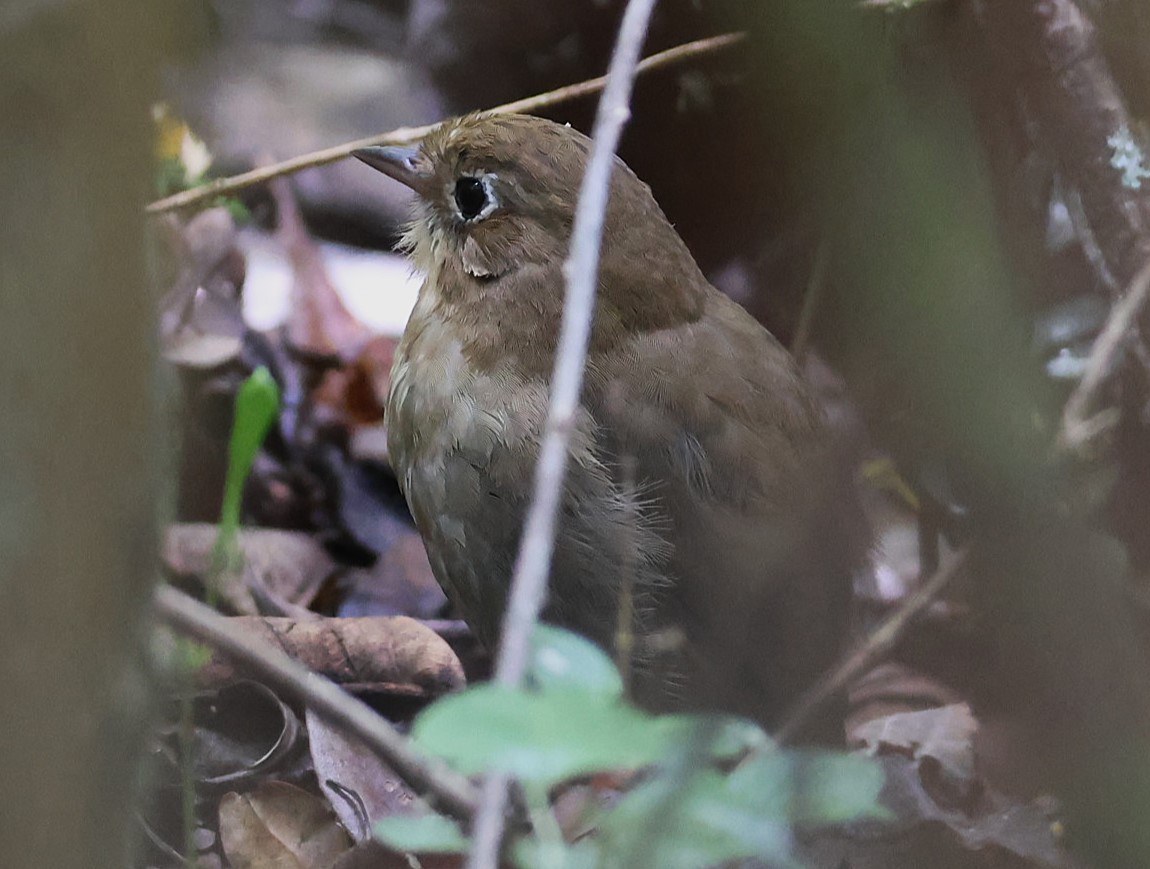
(469,207)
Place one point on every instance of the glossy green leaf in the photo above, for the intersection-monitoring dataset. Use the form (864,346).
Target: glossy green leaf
(257,403)
(421,834)
(564,660)
(671,824)
(730,737)
(710,818)
(539,737)
(256,406)
(531,853)
(820,787)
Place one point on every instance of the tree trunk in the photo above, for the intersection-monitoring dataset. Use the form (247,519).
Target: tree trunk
(77,469)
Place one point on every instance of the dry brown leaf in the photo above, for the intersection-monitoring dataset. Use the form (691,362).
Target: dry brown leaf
(289,564)
(361,788)
(386,653)
(319,324)
(280,826)
(201,323)
(945,735)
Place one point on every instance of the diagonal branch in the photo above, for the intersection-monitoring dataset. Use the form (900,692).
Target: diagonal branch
(406,135)
(581,269)
(449,791)
(877,645)
(1081,426)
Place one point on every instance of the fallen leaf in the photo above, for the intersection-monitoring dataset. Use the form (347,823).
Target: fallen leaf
(280,826)
(394,654)
(290,565)
(945,736)
(361,788)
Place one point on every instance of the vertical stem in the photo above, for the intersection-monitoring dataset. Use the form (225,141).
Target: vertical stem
(581,269)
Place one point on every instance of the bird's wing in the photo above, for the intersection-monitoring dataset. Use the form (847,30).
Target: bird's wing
(731,447)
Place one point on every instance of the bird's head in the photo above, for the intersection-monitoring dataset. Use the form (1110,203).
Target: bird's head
(496,204)
(495,193)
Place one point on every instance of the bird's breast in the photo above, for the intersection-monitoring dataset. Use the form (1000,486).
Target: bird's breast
(440,405)
(450,393)
(464,442)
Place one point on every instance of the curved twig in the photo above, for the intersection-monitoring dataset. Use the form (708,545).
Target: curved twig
(406,135)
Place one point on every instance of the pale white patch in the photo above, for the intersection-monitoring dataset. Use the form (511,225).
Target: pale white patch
(377,288)
(419,242)
(432,375)
(888,583)
(474,261)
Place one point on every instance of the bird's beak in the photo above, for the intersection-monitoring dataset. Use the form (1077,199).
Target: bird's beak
(401,162)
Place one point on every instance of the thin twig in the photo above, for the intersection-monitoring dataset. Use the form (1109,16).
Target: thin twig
(1052,53)
(581,269)
(406,135)
(877,645)
(449,791)
(1078,428)
(487,833)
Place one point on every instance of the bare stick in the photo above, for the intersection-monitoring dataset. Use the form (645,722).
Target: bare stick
(1078,428)
(449,791)
(581,269)
(405,135)
(1052,52)
(874,648)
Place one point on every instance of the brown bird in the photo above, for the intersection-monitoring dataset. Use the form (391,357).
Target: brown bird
(702,499)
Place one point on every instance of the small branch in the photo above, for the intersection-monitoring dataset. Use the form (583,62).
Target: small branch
(1079,429)
(487,834)
(406,135)
(450,792)
(1050,51)
(877,645)
(581,269)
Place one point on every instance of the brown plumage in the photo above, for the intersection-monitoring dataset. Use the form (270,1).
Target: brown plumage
(701,483)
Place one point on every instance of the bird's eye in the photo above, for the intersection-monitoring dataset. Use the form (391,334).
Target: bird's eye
(470,197)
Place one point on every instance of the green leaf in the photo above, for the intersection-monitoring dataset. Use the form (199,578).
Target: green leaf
(192,656)
(540,738)
(822,787)
(711,818)
(257,404)
(563,660)
(421,834)
(240,213)
(839,789)
(531,853)
(731,737)
(671,824)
